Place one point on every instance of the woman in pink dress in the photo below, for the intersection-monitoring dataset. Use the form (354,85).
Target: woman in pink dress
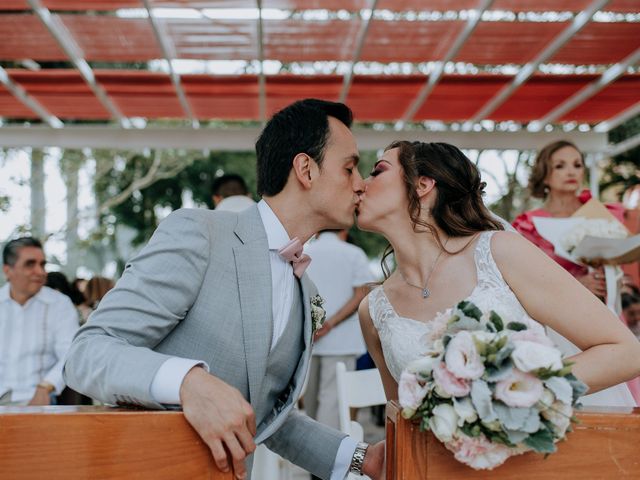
(557,177)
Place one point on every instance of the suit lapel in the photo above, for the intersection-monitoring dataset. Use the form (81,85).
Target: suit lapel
(254,284)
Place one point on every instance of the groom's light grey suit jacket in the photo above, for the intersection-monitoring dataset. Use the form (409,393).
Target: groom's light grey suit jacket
(201,289)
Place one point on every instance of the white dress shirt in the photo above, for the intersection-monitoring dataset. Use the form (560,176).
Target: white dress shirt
(337,268)
(34,339)
(165,387)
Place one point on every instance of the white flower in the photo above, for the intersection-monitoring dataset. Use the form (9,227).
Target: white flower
(529,356)
(462,358)
(519,389)
(318,314)
(546,400)
(423,365)
(559,414)
(464,409)
(597,227)
(410,393)
(444,422)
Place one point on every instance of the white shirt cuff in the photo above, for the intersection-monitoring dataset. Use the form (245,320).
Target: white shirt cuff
(343,458)
(165,387)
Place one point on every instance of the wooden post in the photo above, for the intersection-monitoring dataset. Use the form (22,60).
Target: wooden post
(605,445)
(101,443)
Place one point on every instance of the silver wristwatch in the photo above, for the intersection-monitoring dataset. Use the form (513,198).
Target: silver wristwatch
(358,458)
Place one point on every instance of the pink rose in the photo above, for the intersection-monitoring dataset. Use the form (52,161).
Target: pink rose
(462,357)
(450,384)
(478,452)
(410,393)
(519,389)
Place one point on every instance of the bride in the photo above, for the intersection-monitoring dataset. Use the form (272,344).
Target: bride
(426,199)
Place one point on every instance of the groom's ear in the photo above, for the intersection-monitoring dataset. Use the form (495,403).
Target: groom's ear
(303,168)
(424,186)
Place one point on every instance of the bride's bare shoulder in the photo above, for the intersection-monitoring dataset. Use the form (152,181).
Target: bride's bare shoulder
(510,249)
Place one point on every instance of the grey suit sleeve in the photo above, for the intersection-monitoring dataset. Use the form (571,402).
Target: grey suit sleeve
(111,358)
(307,443)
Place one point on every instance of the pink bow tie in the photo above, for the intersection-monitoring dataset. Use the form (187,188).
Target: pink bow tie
(292,252)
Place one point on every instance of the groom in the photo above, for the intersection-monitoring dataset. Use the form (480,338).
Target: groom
(210,315)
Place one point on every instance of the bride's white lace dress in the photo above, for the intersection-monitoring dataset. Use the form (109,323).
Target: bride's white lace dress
(403,339)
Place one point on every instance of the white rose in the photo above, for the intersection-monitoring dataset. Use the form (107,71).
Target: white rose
(559,414)
(444,422)
(423,365)
(546,399)
(464,409)
(462,358)
(529,356)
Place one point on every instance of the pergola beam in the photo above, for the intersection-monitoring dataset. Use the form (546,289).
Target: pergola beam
(608,77)
(362,36)
(242,139)
(166,52)
(436,75)
(68,45)
(530,68)
(22,95)
(619,119)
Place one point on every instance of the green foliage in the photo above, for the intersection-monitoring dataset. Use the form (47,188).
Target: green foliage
(623,171)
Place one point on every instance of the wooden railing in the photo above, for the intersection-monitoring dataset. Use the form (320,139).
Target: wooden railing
(101,443)
(604,445)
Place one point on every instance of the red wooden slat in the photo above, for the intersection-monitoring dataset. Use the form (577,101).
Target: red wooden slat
(600,43)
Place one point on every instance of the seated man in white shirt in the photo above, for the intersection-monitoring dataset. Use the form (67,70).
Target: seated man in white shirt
(37,325)
(230,193)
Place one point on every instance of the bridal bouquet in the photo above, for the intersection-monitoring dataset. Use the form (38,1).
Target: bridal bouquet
(489,390)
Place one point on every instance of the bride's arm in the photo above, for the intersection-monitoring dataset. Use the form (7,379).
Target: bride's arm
(375,350)
(611,353)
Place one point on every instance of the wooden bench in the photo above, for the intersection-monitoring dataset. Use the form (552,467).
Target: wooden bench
(604,445)
(101,443)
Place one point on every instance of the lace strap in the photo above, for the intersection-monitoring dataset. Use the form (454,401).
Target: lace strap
(379,307)
(487,269)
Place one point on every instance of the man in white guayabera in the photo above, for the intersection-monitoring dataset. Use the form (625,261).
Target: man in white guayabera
(37,325)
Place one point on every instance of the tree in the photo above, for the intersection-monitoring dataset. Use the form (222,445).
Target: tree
(37,194)
(70,164)
(623,171)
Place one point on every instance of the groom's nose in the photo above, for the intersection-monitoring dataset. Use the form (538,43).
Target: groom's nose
(358,182)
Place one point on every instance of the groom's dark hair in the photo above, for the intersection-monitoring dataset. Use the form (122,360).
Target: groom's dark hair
(302,127)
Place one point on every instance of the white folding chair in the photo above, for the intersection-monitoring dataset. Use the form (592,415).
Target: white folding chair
(357,389)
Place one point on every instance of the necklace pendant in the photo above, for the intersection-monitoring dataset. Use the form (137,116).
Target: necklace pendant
(425,293)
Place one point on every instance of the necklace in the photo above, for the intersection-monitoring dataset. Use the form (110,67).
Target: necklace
(426,293)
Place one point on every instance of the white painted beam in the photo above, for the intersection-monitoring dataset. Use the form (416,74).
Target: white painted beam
(608,77)
(619,119)
(230,139)
(167,52)
(362,36)
(530,68)
(68,45)
(22,95)
(436,75)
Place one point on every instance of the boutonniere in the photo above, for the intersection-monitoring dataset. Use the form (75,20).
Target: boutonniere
(318,314)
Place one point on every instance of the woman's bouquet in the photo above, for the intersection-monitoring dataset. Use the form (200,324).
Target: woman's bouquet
(489,390)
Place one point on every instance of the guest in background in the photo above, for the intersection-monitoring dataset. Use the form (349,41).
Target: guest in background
(558,177)
(341,272)
(37,325)
(58,281)
(96,288)
(229,192)
(631,312)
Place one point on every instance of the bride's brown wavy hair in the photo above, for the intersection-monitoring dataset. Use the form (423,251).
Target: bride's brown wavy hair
(458,210)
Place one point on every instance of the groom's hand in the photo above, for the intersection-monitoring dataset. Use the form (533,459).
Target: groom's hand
(373,465)
(221,416)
